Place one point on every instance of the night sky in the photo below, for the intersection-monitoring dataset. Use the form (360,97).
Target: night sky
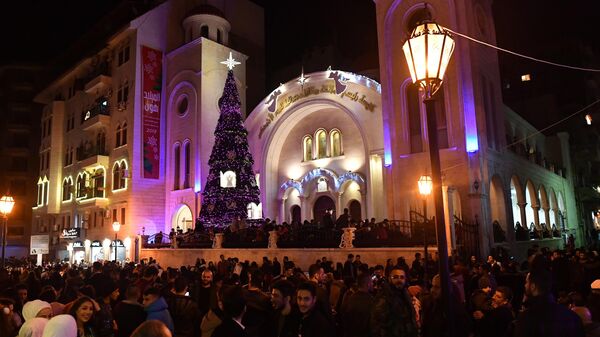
(37,31)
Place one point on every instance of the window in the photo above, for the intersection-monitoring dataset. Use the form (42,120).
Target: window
(441,120)
(118,136)
(67,189)
(228,179)
(204,31)
(177,166)
(123,55)
(219,36)
(122,216)
(186,165)
(40,186)
(336,143)
(414,118)
(119,175)
(124,134)
(46,191)
(82,185)
(182,105)
(122,95)
(321,139)
(100,143)
(98,179)
(307,148)
(114,215)
(322,185)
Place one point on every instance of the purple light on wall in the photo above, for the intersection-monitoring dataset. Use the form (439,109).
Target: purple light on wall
(471,139)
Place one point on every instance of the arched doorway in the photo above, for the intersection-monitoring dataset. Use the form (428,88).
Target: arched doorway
(322,205)
(183,219)
(296,214)
(498,209)
(531,200)
(355,211)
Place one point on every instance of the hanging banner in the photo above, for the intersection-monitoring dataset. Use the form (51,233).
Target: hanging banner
(151,100)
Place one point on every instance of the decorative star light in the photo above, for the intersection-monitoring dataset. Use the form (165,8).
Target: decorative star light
(230,62)
(302,79)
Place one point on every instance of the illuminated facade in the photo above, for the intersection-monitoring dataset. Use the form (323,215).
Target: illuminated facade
(321,143)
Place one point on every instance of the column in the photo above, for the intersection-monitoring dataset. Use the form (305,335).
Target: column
(282,216)
(303,210)
(340,209)
(536,216)
(523,215)
(547,219)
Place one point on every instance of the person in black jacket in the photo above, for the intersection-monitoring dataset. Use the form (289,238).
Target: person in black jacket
(393,313)
(183,310)
(313,322)
(129,313)
(356,310)
(286,318)
(497,321)
(543,317)
(234,307)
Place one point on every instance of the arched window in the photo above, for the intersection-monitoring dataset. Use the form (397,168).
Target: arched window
(40,198)
(186,165)
(116,176)
(321,140)
(335,139)
(81,185)
(118,136)
(307,148)
(204,31)
(228,179)
(67,186)
(322,185)
(124,134)
(124,174)
(98,179)
(176,166)
(414,117)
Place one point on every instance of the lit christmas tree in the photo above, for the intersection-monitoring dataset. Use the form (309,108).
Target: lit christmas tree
(231,183)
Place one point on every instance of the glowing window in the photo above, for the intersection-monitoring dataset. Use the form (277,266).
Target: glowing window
(321,139)
(228,179)
(322,185)
(307,144)
(336,143)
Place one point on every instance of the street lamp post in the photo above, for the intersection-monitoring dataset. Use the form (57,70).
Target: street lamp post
(428,51)
(6,205)
(116,227)
(425,186)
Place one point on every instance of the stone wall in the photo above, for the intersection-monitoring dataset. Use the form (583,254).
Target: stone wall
(303,258)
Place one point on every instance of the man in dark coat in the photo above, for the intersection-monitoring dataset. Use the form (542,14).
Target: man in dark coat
(183,310)
(356,310)
(129,313)
(394,314)
(234,307)
(543,317)
(313,322)
(496,322)
(286,317)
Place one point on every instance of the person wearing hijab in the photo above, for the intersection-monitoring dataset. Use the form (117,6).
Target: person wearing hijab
(33,327)
(37,308)
(61,326)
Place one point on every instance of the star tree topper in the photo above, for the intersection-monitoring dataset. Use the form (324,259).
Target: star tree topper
(230,62)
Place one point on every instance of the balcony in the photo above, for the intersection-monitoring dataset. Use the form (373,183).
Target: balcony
(98,79)
(97,117)
(90,156)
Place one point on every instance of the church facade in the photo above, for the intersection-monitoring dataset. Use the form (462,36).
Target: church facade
(132,132)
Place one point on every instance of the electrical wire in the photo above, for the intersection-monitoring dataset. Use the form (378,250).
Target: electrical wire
(521,55)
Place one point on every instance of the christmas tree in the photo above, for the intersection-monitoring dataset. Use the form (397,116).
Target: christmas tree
(231,183)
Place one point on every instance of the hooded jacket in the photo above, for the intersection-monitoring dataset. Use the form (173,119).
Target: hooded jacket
(61,326)
(185,314)
(33,327)
(158,310)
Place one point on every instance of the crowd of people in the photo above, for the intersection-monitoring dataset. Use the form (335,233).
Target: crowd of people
(552,294)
